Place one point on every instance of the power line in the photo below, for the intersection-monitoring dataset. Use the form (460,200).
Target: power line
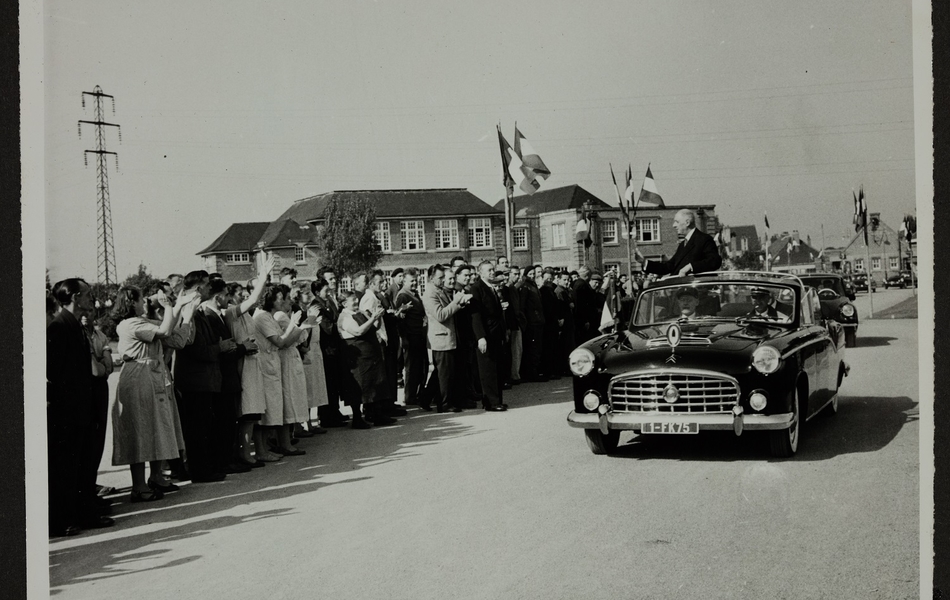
(106,250)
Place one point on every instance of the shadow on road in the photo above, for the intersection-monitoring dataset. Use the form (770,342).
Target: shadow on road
(874,341)
(192,511)
(861,425)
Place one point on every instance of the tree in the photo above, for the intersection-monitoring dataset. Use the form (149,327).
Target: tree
(142,280)
(347,236)
(747,261)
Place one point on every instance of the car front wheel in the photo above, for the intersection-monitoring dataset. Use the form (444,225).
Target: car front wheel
(784,442)
(600,443)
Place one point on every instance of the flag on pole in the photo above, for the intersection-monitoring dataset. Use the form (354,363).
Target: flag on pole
(766,220)
(629,191)
(529,157)
(582,232)
(513,170)
(648,193)
(862,203)
(606,317)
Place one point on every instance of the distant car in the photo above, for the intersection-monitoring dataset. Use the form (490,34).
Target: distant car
(860,283)
(726,350)
(836,300)
(896,280)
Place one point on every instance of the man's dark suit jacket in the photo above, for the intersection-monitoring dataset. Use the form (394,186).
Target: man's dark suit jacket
(197,367)
(550,305)
(700,251)
(531,302)
(330,340)
(230,362)
(586,309)
(488,319)
(68,372)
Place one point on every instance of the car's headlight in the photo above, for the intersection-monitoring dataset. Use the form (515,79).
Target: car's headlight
(591,400)
(847,310)
(766,359)
(581,361)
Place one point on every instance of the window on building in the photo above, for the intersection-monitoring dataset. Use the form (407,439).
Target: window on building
(648,230)
(346,284)
(558,237)
(446,234)
(859,264)
(479,233)
(545,239)
(609,231)
(744,244)
(300,254)
(876,263)
(381,236)
(893,263)
(237,257)
(413,235)
(519,238)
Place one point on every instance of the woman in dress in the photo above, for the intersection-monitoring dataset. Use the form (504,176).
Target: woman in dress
(145,422)
(292,375)
(364,356)
(270,341)
(314,369)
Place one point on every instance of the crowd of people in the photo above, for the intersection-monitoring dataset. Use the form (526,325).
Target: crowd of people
(219,377)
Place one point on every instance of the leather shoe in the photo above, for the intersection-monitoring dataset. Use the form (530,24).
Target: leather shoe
(395,411)
(254,464)
(236,467)
(292,452)
(98,523)
(450,409)
(495,408)
(425,407)
(67,531)
(361,424)
(503,405)
(506,386)
(165,489)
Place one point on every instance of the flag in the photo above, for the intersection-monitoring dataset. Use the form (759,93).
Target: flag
(863,206)
(766,220)
(606,317)
(582,232)
(629,190)
(649,193)
(513,170)
(529,157)
(623,209)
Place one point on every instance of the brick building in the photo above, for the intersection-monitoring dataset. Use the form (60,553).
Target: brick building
(889,250)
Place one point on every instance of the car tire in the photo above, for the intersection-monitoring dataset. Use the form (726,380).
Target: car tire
(850,338)
(784,442)
(600,443)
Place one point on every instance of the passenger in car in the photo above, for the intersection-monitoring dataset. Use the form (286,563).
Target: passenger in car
(762,306)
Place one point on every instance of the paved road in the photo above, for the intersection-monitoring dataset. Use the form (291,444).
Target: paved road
(513,505)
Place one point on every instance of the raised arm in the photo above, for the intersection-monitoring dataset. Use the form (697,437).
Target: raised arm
(264,267)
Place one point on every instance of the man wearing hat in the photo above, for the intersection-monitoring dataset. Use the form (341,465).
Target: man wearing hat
(762,306)
(687,299)
(697,253)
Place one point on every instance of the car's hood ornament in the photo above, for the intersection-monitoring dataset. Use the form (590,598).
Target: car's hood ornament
(674,334)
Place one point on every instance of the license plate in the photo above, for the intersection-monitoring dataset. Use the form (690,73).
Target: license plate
(670,428)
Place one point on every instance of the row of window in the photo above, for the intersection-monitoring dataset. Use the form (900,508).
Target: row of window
(648,230)
(446,234)
(893,263)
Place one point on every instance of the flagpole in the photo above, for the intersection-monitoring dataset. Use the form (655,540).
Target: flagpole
(509,192)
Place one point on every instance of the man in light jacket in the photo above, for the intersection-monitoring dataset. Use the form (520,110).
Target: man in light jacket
(440,310)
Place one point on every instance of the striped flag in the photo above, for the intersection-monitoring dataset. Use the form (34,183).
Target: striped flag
(529,157)
(606,317)
(863,206)
(649,193)
(582,232)
(629,191)
(513,170)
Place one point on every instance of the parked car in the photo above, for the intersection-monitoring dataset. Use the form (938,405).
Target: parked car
(725,350)
(900,280)
(860,283)
(836,303)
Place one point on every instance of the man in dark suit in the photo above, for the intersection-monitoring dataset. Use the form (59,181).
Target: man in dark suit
(489,327)
(762,307)
(586,307)
(198,383)
(533,336)
(332,348)
(553,321)
(696,253)
(70,412)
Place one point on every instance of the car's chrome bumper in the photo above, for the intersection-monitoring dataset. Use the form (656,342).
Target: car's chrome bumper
(635,421)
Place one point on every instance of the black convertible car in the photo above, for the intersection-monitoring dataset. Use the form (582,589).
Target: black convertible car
(724,350)
(836,302)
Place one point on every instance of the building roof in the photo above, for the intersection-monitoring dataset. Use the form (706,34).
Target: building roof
(748,232)
(287,232)
(885,234)
(560,198)
(396,203)
(239,237)
(803,254)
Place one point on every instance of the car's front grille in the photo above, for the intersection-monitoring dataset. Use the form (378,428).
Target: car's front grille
(699,392)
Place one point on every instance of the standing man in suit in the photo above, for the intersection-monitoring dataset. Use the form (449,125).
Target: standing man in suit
(516,321)
(553,321)
(440,309)
(586,309)
(488,325)
(533,312)
(697,253)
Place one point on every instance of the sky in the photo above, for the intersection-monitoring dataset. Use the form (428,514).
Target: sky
(230,111)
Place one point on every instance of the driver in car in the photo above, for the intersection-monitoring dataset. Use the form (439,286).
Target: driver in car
(762,306)
(687,299)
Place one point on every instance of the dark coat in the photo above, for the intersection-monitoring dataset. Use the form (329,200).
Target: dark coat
(488,318)
(68,371)
(197,366)
(550,305)
(531,304)
(700,251)
(230,362)
(330,341)
(586,307)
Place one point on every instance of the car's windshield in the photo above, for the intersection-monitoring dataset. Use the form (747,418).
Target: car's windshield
(824,283)
(755,301)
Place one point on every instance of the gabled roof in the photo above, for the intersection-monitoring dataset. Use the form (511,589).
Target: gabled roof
(287,232)
(561,198)
(884,233)
(748,232)
(801,255)
(396,203)
(239,237)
